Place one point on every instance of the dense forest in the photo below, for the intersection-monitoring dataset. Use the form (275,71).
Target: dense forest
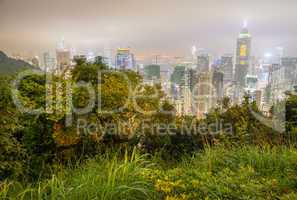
(129,143)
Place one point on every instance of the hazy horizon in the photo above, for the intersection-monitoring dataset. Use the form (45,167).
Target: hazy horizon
(148,27)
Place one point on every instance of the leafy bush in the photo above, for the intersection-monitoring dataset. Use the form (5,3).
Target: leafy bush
(240,173)
(12,153)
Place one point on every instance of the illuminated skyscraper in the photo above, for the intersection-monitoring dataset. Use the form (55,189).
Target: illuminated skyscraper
(243,56)
(218,84)
(203,94)
(49,62)
(282,78)
(107,54)
(63,59)
(124,59)
(181,89)
(226,66)
(203,62)
(152,73)
(290,66)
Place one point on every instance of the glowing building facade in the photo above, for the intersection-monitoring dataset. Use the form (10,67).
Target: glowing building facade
(124,59)
(243,57)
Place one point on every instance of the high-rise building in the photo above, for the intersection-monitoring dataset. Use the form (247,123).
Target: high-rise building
(152,73)
(251,86)
(243,56)
(107,54)
(165,74)
(178,75)
(63,59)
(203,94)
(192,74)
(49,62)
(282,78)
(203,62)
(290,70)
(226,66)
(181,89)
(125,59)
(63,56)
(177,81)
(218,84)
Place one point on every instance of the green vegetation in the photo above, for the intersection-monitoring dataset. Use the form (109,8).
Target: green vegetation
(215,173)
(10,66)
(44,158)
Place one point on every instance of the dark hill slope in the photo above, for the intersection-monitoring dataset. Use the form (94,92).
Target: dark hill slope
(10,65)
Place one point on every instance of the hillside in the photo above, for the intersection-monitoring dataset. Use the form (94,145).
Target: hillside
(10,65)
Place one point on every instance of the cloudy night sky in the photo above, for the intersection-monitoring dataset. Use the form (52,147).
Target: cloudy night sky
(147,26)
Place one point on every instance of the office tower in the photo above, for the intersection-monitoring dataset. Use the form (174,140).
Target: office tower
(268,89)
(290,70)
(108,59)
(152,73)
(226,66)
(251,86)
(165,74)
(194,57)
(203,62)
(282,78)
(63,59)
(180,90)
(209,91)
(49,62)
(192,74)
(218,84)
(178,75)
(63,56)
(177,79)
(203,94)
(125,59)
(194,53)
(251,82)
(243,55)
(183,102)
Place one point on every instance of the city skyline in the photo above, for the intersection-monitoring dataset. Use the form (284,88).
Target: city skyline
(167,27)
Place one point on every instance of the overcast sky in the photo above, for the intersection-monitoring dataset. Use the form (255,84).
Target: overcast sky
(147,26)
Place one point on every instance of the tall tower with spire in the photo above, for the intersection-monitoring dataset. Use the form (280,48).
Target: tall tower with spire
(63,57)
(243,55)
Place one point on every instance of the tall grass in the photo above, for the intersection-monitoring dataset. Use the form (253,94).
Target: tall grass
(216,173)
(108,177)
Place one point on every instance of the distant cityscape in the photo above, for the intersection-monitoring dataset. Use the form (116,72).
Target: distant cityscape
(199,82)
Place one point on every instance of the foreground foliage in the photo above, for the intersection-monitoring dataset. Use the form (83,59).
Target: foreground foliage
(216,173)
